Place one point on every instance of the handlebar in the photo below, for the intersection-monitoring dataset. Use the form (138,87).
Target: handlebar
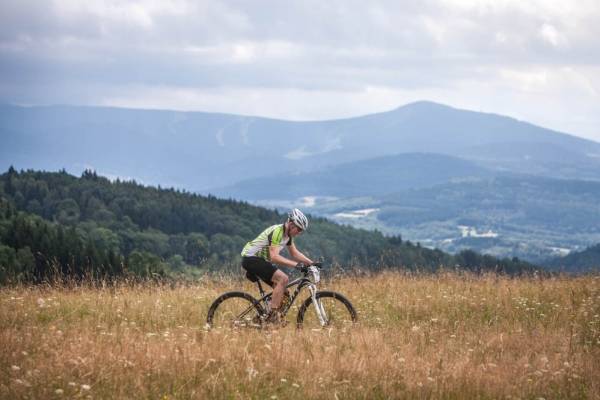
(304,268)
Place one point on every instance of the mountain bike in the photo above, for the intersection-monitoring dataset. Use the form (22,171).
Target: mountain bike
(241,310)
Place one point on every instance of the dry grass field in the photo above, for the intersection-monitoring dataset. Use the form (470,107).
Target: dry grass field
(434,336)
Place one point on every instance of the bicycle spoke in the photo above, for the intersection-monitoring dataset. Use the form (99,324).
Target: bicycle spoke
(235,312)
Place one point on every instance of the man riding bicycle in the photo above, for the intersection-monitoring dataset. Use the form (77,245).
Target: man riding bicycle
(260,255)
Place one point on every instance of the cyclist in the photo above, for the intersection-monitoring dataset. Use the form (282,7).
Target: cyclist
(260,255)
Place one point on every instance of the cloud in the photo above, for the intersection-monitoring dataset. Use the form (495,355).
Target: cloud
(306,59)
(552,36)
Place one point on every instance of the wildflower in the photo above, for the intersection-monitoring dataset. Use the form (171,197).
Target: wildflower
(251,373)
(15,368)
(415,328)
(295,385)
(283,380)
(86,387)
(59,391)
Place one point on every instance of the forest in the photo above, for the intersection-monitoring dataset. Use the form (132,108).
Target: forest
(54,225)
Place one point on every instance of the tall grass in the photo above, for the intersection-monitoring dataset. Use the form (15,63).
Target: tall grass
(436,336)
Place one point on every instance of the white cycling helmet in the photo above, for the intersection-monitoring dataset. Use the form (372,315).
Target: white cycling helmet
(298,218)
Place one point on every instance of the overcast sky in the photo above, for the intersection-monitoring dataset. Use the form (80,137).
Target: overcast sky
(536,60)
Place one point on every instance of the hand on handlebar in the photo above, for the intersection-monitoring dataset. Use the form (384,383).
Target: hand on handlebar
(302,267)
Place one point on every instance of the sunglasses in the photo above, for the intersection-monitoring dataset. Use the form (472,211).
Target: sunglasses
(297,227)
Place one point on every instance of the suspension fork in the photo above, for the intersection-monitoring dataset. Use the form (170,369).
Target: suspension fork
(318,305)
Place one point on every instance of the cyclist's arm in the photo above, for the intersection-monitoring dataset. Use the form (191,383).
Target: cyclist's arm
(297,255)
(278,259)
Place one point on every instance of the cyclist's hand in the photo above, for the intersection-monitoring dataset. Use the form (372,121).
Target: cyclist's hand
(302,267)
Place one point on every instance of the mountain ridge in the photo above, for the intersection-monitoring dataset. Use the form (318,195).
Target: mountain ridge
(219,146)
(372,177)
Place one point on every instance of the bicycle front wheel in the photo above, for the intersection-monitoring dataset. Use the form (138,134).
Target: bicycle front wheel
(332,310)
(235,310)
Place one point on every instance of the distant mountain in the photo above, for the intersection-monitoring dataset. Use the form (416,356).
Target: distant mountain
(583,261)
(372,177)
(198,151)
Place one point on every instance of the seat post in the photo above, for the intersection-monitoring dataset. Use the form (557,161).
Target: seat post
(260,289)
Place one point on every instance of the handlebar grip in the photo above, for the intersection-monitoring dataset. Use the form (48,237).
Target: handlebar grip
(302,267)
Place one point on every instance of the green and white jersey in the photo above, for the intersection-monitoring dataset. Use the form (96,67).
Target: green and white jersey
(272,236)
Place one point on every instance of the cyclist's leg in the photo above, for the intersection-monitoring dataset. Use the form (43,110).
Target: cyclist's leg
(271,275)
(280,280)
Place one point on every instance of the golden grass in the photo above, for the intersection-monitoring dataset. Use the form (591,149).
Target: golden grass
(435,336)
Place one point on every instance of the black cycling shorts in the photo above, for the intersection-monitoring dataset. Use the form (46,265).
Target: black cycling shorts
(260,267)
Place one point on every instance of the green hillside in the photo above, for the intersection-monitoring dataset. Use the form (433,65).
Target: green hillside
(54,222)
(530,217)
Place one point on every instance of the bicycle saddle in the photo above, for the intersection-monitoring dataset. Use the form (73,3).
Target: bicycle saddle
(251,277)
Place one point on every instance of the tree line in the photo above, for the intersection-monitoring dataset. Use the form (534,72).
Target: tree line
(53,223)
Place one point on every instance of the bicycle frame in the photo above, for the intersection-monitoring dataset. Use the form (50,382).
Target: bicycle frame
(300,283)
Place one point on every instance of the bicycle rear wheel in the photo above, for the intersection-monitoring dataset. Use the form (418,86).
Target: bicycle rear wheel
(235,310)
(338,312)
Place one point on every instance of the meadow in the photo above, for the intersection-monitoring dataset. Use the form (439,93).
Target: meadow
(447,335)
